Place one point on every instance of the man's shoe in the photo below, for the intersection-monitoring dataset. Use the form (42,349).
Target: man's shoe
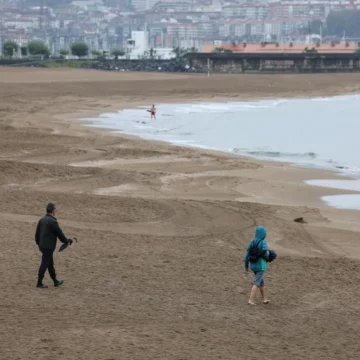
(58,283)
(41,286)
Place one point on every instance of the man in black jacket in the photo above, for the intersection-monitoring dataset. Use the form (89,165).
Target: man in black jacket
(47,232)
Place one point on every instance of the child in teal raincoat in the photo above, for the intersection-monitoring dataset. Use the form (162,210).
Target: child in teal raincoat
(259,267)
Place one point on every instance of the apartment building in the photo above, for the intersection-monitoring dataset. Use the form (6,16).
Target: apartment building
(246,11)
(183,31)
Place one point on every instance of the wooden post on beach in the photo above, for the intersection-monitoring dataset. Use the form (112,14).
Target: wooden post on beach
(208,67)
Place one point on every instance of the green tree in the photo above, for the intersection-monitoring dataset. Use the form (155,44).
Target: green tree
(222,50)
(79,49)
(38,47)
(345,21)
(312,50)
(64,52)
(10,48)
(152,53)
(312,27)
(24,51)
(96,53)
(179,51)
(317,27)
(117,52)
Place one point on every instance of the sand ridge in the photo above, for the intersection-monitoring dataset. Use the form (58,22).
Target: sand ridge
(158,272)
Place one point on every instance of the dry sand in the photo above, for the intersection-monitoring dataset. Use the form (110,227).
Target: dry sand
(158,270)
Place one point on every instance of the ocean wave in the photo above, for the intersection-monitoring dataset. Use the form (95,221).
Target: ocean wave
(278,154)
(227,107)
(307,159)
(346,201)
(111,115)
(336,98)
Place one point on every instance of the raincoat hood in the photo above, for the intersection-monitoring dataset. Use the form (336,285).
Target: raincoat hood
(260,233)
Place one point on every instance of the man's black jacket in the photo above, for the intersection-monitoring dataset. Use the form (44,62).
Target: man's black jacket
(47,231)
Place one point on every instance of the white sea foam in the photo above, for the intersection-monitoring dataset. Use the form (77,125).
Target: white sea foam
(337,184)
(343,201)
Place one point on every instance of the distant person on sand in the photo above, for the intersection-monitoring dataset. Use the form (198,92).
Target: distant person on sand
(257,254)
(152,111)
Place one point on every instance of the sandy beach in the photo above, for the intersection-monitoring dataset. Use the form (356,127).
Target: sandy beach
(158,269)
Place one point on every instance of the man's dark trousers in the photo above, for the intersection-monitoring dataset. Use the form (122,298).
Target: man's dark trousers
(47,263)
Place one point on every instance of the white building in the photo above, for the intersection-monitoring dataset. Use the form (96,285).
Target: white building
(25,24)
(164,53)
(138,46)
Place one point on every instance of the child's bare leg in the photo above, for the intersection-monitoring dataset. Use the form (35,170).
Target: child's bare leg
(253,294)
(262,292)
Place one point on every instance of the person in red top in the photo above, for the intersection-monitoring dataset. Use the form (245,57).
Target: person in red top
(153,112)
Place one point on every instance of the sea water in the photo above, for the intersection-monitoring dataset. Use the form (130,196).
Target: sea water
(320,132)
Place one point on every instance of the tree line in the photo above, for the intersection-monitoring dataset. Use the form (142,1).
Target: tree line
(338,23)
(343,22)
(38,47)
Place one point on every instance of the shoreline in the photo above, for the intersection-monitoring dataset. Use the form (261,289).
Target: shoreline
(287,187)
(334,175)
(296,177)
